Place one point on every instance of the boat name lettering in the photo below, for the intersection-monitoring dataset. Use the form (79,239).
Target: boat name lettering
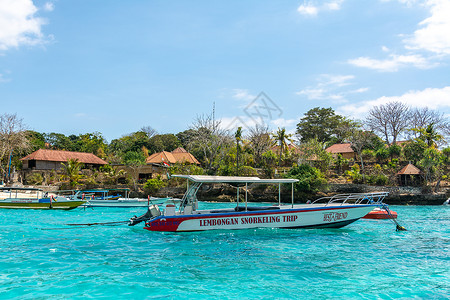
(334,216)
(247,220)
(218,222)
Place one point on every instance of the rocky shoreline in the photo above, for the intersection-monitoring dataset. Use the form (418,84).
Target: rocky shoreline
(264,193)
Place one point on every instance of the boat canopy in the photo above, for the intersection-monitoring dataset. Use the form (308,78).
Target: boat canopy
(233,179)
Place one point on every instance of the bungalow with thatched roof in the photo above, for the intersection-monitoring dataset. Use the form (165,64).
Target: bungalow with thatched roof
(45,159)
(409,175)
(179,155)
(344,149)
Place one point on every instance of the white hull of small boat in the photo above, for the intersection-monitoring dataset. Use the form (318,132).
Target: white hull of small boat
(126,202)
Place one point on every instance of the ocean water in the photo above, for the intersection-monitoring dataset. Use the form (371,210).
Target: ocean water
(41,258)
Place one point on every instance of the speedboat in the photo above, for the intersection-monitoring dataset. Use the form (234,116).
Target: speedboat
(327,212)
(381,214)
(32,198)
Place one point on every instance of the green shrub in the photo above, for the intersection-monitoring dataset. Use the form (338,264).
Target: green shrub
(35,179)
(379,179)
(354,174)
(310,178)
(153,185)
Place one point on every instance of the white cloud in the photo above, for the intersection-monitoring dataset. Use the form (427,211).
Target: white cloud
(329,87)
(337,80)
(311,9)
(433,98)
(308,9)
(242,94)
(434,34)
(334,5)
(49,6)
(360,90)
(393,63)
(284,123)
(19,25)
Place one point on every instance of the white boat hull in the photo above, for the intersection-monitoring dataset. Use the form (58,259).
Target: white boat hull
(299,216)
(125,202)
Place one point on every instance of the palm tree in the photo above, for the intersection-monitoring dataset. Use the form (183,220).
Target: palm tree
(430,136)
(281,138)
(72,171)
(238,137)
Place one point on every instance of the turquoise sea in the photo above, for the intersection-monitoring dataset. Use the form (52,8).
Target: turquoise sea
(41,258)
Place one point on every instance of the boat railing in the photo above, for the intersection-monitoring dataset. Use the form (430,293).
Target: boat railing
(353,198)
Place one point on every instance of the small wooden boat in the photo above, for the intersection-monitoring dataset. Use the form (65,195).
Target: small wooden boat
(328,212)
(32,198)
(379,214)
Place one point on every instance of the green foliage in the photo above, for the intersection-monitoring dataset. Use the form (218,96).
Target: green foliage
(354,174)
(394,150)
(429,135)
(281,138)
(186,169)
(268,163)
(72,172)
(368,154)
(382,154)
(414,151)
(432,163)
(310,178)
(163,142)
(340,162)
(34,178)
(36,140)
(324,125)
(379,179)
(153,185)
(134,158)
(446,155)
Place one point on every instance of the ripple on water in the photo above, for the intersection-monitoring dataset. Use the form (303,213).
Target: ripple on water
(367,259)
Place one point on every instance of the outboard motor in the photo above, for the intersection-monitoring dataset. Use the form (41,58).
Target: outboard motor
(152,212)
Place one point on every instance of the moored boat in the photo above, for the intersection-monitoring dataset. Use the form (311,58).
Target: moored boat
(381,214)
(331,212)
(116,198)
(32,198)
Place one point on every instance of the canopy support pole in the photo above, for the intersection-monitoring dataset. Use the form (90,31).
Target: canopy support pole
(292,194)
(237,200)
(279,194)
(246,188)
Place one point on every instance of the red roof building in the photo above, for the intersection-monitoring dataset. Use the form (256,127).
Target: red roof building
(44,159)
(344,149)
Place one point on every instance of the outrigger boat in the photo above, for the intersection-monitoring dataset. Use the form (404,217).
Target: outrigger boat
(32,198)
(328,212)
(115,198)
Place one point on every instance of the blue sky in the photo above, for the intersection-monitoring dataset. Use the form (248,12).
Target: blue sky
(115,66)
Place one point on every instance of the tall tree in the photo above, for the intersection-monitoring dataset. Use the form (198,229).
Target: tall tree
(429,135)
(13,138)
(149,131)
(238,137)
(260,141)
(389,120)
(423,117)
(209,140)
(281,138)
(324,125)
